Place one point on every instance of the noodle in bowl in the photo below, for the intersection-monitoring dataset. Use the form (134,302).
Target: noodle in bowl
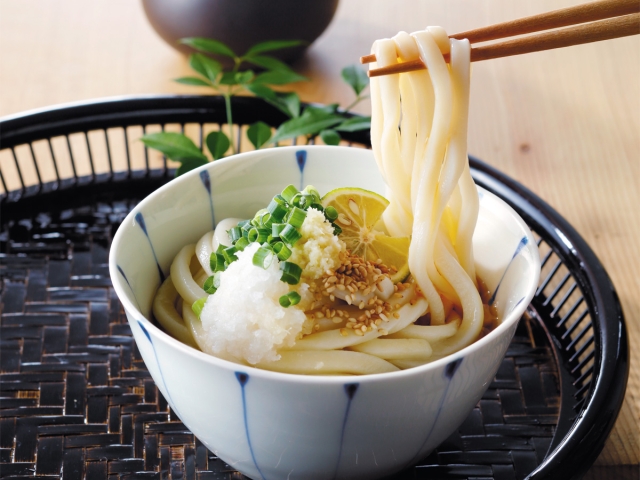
(277,425)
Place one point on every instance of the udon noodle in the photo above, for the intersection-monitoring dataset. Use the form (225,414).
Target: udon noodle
(418,133)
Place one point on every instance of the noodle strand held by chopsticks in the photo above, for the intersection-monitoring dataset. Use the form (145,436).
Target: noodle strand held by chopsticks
(442,196)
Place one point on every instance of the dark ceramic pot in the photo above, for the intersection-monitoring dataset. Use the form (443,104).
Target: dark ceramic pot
(241,23)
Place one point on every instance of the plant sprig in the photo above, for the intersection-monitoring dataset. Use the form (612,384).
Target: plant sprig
(325,121)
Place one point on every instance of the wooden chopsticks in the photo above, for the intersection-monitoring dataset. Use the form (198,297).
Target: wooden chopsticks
(627,22)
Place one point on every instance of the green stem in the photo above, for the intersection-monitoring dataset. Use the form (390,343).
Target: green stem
(227,104)
(354,103)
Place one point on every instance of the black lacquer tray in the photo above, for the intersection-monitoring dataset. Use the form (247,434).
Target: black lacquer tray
(76,400)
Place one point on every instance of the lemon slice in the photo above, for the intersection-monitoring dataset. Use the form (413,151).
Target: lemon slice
(358,212)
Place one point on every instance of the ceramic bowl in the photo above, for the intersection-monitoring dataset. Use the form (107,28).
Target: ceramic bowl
(272,425)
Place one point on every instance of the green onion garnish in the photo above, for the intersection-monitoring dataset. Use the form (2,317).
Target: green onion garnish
(266,220)
(234,234)
(243,223)
(222,263)
(290,234)
(263,234)
(290,272)
(288,193)
(311,190)
(296,217)
(252,236)
(276,228)
(263,257)
(317,206)
(336,230)
(198,305)
(208,285)
(331,213)
(229,254)
(216,279)
(277,210)
(241,244)
(221,248)
(291,298)
(282,251)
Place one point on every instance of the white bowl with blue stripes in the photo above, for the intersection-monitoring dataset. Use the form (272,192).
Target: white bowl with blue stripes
(271,425)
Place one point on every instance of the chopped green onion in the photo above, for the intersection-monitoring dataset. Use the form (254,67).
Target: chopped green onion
(296,217)
(317,206)
(263,234)
(222,263)
(277,210)
(291,298)
(263,257)
(216,279)
(229,254)
(198,305)
(311,190)
(221,248)
(253,235)
(290,272)
(216,262)
(288,193)
(336,230)
(331,213)
(290,234)
(308,200)
(243,223)
(266,220)
(297,200)
(234,234)
(241,244)
(282,251)
(276,228)
(208,285)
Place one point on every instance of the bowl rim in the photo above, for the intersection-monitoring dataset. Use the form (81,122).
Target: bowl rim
(513,317)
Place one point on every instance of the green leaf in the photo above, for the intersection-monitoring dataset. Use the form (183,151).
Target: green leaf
(271,45)
(356,77)
(205,66)
(270,63)
(199,82)
(331,108)
(228,78)
(279,77)
(175,146)
(217,143)
(288,102)
(309,123)
(258,134)
(354,124)
(245,77)
(330,137)
(262,91)
(208,45)
(188,164)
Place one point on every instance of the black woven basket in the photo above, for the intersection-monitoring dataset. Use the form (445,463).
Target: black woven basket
(78,402)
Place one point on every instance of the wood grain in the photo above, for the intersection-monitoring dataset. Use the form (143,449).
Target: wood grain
(566,123)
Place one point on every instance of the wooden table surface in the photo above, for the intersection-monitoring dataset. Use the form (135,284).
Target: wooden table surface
(565,123)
